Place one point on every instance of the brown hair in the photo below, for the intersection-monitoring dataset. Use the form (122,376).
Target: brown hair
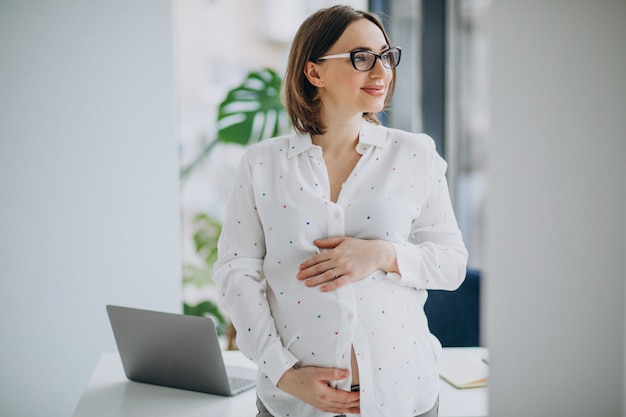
(317,34)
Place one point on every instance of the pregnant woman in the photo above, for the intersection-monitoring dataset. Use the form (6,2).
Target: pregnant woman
(333,235)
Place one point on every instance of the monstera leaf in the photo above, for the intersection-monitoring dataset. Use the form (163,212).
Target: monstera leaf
(250,113)
(253,111)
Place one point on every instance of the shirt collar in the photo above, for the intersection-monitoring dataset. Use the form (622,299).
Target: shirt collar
(370,135)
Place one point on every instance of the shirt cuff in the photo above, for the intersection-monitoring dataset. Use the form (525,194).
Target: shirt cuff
(275,361)
(405,258)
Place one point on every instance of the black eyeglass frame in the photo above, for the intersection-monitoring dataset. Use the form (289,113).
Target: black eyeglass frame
(379,56)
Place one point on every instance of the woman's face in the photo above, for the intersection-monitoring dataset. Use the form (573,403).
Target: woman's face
(346,91)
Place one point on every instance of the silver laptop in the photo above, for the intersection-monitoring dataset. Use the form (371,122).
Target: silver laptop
(175,350)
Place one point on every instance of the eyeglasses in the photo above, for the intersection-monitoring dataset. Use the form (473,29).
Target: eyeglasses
(365,60)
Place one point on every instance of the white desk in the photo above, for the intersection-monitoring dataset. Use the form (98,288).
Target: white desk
(109,393)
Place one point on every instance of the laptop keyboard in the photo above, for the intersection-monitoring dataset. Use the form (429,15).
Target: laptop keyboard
(237,383)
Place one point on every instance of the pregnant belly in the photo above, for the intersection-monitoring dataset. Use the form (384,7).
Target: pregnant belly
(355,368)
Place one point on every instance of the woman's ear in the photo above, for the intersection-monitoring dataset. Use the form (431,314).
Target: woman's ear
(312,74)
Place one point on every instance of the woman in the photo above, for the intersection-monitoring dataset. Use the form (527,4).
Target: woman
(334,233)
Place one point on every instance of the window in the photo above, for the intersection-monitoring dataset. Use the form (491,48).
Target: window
(443,92)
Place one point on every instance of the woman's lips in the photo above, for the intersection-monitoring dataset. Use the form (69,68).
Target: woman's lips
(375,90)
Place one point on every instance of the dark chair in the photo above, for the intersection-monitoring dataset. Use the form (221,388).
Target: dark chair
(454,316)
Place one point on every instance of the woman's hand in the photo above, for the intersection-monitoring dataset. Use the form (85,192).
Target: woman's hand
(346,260)
(311,385)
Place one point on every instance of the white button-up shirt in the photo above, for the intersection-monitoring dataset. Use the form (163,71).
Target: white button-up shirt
(280,203)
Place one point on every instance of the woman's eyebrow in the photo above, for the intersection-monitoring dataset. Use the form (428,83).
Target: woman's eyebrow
(367,48)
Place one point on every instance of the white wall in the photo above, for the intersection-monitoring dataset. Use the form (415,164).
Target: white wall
(555,269)
(88,188)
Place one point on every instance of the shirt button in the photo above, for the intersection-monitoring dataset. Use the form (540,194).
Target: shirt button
(350,316)
(337,215)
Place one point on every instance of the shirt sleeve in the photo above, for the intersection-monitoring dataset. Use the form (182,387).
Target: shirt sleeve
(434,257)
(238,274)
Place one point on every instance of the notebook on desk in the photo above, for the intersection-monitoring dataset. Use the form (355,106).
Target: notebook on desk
(175,350)
(463,370)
